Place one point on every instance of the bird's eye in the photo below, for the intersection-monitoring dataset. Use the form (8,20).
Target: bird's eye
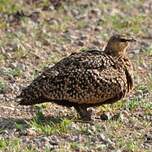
(123,40)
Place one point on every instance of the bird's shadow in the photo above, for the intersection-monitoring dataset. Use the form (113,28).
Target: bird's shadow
(20,124)
(10,123)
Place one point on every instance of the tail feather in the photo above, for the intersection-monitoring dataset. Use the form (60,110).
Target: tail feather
(26,101)
(29,96)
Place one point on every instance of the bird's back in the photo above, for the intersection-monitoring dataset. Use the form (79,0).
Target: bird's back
(90,78)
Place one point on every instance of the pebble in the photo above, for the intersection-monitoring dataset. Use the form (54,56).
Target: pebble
(137,51)
(54,140)
(118,116)
(97,28)
(80,43)
(105,140)
(148,117)
(75,12)
(31,132)
(105,116)
(1,96)
(83,37)
(96,42)
(148,138)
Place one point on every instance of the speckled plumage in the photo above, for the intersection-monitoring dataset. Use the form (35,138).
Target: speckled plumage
(84,79)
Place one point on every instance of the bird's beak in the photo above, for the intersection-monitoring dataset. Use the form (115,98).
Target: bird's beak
(128,40)
(131,40)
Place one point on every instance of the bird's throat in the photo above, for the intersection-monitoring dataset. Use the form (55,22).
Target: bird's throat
(117,52)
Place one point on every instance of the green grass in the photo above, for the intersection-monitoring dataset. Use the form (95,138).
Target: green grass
(130,145)
(54,57)
(8,6)
(81,24)
(48,127)
(13,145)
(2,86)
(148,50)
(15,72)
(59,27)
(132,104)
(149,83)
(5,144)
(2,59)
(51,127)
(130,24)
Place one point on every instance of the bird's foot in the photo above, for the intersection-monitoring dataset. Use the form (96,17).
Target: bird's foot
(84,113)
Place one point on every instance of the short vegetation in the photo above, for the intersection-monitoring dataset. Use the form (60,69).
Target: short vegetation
(38,33)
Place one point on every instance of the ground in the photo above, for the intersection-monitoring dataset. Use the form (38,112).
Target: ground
(38,33)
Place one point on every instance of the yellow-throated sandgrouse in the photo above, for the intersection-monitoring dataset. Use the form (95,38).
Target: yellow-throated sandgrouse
(84,79)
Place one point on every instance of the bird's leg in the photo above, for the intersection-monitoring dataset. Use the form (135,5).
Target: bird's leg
(84,114)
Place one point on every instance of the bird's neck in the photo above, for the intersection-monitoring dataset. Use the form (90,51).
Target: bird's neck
(115,51)
(126,64)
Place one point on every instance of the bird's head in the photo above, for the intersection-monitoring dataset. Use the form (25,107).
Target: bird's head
(118,44)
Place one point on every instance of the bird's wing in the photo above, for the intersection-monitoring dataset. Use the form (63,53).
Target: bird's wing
(86,77)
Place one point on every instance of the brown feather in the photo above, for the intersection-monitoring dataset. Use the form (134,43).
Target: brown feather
(87,78)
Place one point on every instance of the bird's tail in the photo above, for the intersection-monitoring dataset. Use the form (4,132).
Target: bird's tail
(29,96)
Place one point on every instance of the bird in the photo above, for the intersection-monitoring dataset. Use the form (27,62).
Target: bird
(85,79)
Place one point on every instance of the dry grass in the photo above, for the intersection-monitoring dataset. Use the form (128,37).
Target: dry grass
(34,34)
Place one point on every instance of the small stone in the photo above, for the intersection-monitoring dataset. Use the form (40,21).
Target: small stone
(146,145)
(148,117)
(80,17)
(74,126)
(96,42)
(118,116)
(101,137)
(54,140)
(80,43)
(75,12)
(105,116)
(97,29)
(44,139)
(93,128)
(83,37)
(75,138)
(31,132)
(137,51)
(2,96)
(148,138)
(94,12)
(4,132)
